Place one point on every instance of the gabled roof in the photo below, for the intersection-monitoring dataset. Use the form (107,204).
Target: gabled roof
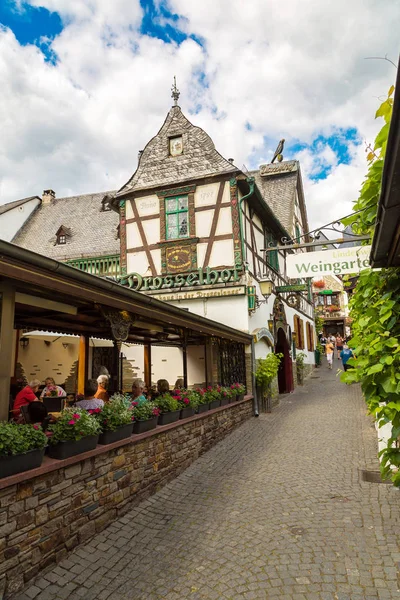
(278,183)
(92,230)
(199,159)
(10,205)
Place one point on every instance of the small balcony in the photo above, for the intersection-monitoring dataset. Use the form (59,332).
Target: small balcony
(102,266)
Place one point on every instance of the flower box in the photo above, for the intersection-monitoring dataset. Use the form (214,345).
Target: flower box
(186,413)
(239,397)
(215,404)
(146,425)
(109,437)
(63,450)
(16,463)
(225,401)
(168,417)
(202,408)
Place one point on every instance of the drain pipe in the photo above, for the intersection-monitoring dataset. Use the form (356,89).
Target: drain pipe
(251,182)
(253,379)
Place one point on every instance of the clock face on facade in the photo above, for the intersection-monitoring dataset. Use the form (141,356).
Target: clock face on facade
(178,259)
(176,146)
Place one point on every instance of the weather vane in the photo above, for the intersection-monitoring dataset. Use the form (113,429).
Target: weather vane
(175,92)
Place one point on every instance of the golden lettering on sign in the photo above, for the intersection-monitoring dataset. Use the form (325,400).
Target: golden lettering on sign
(178,258)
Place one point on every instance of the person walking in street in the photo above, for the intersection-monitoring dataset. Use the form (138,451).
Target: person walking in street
(329,349)
(345,355)
(339,344)
(323,342)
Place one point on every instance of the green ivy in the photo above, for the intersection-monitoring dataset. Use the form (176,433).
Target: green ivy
(375,311)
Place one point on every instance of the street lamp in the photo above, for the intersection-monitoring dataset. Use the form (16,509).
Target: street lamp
(266,287)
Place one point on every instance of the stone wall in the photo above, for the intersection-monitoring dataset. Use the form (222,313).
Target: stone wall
(46,512)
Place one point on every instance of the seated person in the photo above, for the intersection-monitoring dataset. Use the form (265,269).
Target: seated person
(101,392)
(179,384)
(51,389)
(71,399)
(138,395)
(26,396)
(38,414)
(90,402)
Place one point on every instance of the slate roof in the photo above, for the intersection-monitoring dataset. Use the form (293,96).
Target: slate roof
(93,232)
(277,183)
(199,159)
(10,205)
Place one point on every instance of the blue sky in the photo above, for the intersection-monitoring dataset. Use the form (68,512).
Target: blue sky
(99,88)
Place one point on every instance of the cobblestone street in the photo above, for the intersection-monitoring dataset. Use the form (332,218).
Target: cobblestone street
(276,510)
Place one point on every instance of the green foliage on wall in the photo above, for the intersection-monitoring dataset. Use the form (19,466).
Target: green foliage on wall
(375,310)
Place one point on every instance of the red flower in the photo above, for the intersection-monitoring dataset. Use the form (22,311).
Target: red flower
(36,427)
(135,403)
(176,397)
(186,400)
(133,417)
(156,412)
(76,416)
(71,422)
(97,410)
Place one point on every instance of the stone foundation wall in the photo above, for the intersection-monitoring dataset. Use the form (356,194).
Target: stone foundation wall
(46,515)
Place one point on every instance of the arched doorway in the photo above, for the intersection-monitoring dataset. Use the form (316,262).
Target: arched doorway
(285,373)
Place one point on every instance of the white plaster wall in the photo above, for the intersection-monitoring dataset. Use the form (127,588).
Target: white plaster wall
(203,222)
(137,262)
(128,211)
(40,361)
(224,224)
(206,195)
(222,253)
(156,254)
(148,205)
(196,365)
(201,253)
(230,310)
(152,230)
(12,220)
(133,239)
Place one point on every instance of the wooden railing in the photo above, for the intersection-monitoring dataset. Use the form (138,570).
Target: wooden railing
(103,266)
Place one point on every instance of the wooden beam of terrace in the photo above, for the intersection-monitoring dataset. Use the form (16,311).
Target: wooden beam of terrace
(47,278)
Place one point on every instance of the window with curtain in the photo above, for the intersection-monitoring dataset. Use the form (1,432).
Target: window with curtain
(177,217)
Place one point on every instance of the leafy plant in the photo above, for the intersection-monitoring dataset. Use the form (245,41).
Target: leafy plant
(202,397)
(300,356)
(73,425)
(186,399)
(241,389)
(19,439)
(146,411)
(211,394)
(167,403)
(124,398)
(114,413)
(267,369)
(375,310)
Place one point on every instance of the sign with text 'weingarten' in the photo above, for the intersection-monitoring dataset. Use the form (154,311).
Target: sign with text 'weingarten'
(328,262)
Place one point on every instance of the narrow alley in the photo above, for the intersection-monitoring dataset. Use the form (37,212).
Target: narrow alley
(279,509)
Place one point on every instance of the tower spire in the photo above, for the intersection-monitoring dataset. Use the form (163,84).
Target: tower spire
(175,93)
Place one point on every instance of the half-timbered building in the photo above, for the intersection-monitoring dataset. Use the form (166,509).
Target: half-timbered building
(194,229)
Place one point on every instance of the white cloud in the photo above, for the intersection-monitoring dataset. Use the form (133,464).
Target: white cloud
(292,70)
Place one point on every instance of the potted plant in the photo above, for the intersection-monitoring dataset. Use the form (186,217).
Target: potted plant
(300,356)
(115,420)
(240,391)
(267,369)
(213,397)
(74,432)
(187,403)
(202,401)
(146,417)
(169,409)
(21,448)
(227,395)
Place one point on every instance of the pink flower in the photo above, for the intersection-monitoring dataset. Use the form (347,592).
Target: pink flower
(71,422)
(176,397)
(134,403)
(76,416)
(209,388)
(133,417)
(36,427)
(186,400)
(156,412)
(97,410)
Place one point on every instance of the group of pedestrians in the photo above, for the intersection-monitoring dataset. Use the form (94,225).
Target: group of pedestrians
(338,343)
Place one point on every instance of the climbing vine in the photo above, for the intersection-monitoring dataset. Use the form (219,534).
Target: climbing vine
(375,310)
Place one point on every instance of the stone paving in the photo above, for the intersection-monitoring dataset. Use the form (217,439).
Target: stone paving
(276,510)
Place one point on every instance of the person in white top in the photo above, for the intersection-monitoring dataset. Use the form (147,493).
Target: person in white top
(51,389)
(90,402)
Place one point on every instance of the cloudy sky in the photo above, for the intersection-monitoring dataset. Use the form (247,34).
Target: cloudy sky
(86,83)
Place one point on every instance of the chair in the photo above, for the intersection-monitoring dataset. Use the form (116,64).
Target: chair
(54,403)
(25,413)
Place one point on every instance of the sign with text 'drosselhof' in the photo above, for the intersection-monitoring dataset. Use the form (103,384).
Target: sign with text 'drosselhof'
(341,261)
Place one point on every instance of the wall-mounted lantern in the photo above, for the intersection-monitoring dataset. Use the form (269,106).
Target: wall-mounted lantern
(24,342)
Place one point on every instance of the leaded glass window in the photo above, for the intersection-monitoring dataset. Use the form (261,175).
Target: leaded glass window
(177,217)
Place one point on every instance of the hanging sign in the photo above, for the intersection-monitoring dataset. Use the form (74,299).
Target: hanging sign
(263,333)
(328,262)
